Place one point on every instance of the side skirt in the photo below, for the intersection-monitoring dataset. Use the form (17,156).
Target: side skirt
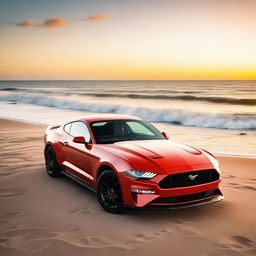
(78,180)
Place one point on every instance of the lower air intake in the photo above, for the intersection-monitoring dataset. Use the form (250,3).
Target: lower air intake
(186,198)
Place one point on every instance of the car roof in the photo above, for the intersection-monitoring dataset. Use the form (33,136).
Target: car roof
(103,117)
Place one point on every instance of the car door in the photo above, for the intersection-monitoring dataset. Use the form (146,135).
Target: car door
(77,155)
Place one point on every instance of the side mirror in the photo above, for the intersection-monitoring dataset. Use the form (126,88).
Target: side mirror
(165,135)
(79,139)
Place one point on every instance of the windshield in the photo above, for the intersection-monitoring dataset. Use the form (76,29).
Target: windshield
(111,131)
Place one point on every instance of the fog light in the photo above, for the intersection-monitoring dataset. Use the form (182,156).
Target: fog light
(142,191)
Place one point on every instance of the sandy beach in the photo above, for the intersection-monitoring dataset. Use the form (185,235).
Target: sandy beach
(40,215)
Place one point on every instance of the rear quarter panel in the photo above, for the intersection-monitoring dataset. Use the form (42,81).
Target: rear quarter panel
(54,136)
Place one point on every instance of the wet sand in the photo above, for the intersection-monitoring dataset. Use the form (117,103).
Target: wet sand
(40,215)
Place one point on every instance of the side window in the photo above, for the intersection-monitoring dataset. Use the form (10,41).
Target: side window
(80,129)
(67,128)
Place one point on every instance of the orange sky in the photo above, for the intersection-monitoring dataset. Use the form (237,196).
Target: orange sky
(129,40)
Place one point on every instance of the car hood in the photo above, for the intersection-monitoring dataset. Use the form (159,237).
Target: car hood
(161,155)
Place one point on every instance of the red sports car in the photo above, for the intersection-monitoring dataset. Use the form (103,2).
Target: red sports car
(128,162)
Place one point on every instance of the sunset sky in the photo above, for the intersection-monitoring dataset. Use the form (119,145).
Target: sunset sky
(142,39)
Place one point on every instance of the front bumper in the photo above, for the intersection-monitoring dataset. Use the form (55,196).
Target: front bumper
(180,206)
(171,198)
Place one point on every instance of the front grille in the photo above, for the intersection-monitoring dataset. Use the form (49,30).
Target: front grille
(186,198)
(186,179)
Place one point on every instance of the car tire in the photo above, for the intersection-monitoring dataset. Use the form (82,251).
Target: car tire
(51,164)
(109,192)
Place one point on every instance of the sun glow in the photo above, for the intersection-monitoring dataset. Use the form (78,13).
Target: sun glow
(169,40)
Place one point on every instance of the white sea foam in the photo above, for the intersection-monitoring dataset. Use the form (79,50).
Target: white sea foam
(176,116)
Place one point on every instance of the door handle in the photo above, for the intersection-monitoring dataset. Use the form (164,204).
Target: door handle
(65,143)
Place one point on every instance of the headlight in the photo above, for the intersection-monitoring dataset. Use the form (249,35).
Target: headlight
(214,161)
(140,175)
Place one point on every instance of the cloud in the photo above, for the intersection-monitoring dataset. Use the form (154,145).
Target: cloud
(26,23)
(54,22)
(98,17)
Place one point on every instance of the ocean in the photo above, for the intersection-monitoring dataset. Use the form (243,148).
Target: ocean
(207,104)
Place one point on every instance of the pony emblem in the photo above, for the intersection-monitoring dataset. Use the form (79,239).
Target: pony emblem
(192,177)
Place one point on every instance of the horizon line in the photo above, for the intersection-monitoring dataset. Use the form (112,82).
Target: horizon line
(3,80)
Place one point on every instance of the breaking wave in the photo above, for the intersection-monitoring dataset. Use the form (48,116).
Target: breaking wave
(157,94)
(174,116)
(235,101)
(9,89)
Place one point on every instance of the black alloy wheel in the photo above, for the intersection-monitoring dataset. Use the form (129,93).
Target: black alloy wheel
(109,192)
(51,163)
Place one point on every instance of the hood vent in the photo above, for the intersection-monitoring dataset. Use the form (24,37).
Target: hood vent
(155,156)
